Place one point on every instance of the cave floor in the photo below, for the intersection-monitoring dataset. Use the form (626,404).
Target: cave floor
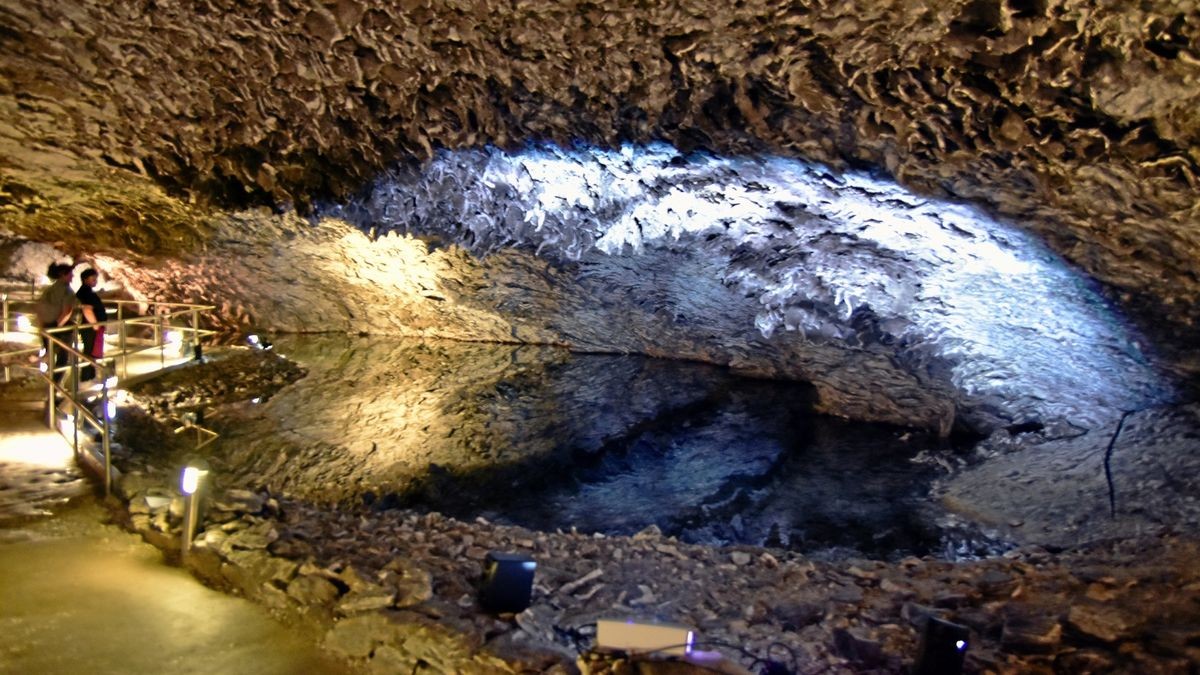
(80,595)
(1085,597)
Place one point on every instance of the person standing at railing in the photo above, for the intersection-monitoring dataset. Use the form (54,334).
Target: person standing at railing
(93,312)
(55,306)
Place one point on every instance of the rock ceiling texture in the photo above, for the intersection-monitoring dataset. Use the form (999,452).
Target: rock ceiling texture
(126,128)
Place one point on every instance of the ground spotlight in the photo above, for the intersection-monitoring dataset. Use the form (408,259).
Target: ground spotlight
(507,582)
(191,483)
(258,342)
(942,649)
(24,325)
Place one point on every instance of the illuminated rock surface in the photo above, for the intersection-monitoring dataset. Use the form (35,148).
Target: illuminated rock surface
(168,144)
(508,432)
(1074,118)
(1072,122)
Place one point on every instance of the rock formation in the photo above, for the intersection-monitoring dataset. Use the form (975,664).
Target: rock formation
(1074,117)
(936,212)
(128,128)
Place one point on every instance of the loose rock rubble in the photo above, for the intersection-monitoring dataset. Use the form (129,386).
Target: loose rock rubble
(237,375)
(400,587)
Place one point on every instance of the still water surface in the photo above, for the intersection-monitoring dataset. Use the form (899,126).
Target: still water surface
(547,439)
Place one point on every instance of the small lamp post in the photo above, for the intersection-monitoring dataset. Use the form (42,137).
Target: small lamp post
(192,486)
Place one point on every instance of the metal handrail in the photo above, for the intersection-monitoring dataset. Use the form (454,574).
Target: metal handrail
(10,318)
(161,322)
(79,409)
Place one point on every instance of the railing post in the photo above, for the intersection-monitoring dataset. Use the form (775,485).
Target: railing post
(7,368)
(105,436)
(49,363)
(161,338)
(121,329)
(74,372)
(196,351)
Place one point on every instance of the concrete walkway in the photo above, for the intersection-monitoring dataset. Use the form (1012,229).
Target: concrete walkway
(37,468)
(77,596)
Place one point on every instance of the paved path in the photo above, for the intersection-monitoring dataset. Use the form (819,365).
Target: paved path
(37,469)
(77,596)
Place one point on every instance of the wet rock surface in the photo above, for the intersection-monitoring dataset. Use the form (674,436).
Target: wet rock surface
(31,491)
(1131,477)
(237,375)
(398,587)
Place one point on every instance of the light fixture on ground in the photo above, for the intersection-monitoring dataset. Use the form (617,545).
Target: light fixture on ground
(259,342)
(942,649)
(192,483)
(628,635)
(507,582)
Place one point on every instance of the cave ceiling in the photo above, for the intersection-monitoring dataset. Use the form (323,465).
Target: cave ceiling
(130,128)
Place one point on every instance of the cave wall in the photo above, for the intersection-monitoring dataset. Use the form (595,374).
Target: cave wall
(132,132)
(1075,118)
(1021,343)
(265,272)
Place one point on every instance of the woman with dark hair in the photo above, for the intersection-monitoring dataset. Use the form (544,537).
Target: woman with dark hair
(93,313)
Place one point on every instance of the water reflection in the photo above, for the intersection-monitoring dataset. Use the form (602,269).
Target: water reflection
(543,438)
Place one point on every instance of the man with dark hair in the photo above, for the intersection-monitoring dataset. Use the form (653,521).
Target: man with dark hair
(54,309)
(92,306)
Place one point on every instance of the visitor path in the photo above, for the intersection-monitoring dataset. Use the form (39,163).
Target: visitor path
(77,393)
(67,573)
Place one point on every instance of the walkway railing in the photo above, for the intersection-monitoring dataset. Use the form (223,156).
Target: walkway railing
(162,326)
(58,397)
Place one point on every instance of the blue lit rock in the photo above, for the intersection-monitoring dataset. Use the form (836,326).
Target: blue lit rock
(905,287)
(1075,119)
(897,307)
(127,131)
